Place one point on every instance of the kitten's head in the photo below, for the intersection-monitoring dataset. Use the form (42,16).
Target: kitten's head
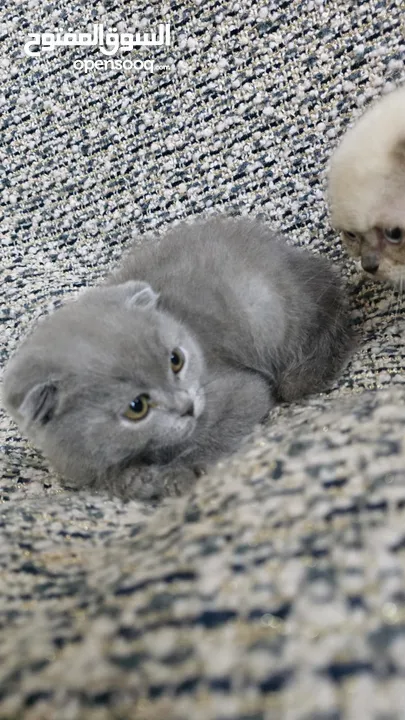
(106,381)
(367,189)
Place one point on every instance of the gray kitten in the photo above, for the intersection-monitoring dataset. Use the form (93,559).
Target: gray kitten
(139,384)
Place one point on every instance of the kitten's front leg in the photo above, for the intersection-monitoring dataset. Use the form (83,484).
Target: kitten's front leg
(151,483)
(236,401)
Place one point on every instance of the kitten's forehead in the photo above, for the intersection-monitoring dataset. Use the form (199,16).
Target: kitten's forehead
(366,204)
(367,170)
(359,203)
(106,337)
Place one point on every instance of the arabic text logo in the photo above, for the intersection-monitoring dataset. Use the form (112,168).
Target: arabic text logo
(108,42)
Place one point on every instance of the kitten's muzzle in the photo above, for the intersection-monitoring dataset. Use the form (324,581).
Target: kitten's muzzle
(370,263)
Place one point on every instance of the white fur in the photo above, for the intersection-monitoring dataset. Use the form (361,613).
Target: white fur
(367,182)
(363,163)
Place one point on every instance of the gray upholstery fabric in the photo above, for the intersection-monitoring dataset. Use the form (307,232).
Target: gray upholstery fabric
(276,589)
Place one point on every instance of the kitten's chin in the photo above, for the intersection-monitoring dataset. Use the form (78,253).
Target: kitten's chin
(395,276)
(375,277)
(390,278)
(189,428)
(153,455)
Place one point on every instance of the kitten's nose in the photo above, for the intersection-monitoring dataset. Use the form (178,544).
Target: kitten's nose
(188,408)
(370,263)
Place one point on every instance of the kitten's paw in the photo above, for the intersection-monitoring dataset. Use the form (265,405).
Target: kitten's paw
(153,483)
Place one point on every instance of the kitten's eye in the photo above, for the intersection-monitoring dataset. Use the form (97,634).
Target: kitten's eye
(138,408)
(393,235)
(350,235)
(177,360)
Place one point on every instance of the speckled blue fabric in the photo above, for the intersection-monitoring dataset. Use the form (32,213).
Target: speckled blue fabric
(276,588)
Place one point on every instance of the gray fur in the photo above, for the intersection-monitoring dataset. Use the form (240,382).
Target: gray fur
(257,320)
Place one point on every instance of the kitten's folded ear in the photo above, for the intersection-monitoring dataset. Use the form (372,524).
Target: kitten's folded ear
(140,294)
(39,404)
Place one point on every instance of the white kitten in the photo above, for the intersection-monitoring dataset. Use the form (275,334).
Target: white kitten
(367,188)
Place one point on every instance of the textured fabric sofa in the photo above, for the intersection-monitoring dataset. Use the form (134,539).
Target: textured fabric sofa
(276,588)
